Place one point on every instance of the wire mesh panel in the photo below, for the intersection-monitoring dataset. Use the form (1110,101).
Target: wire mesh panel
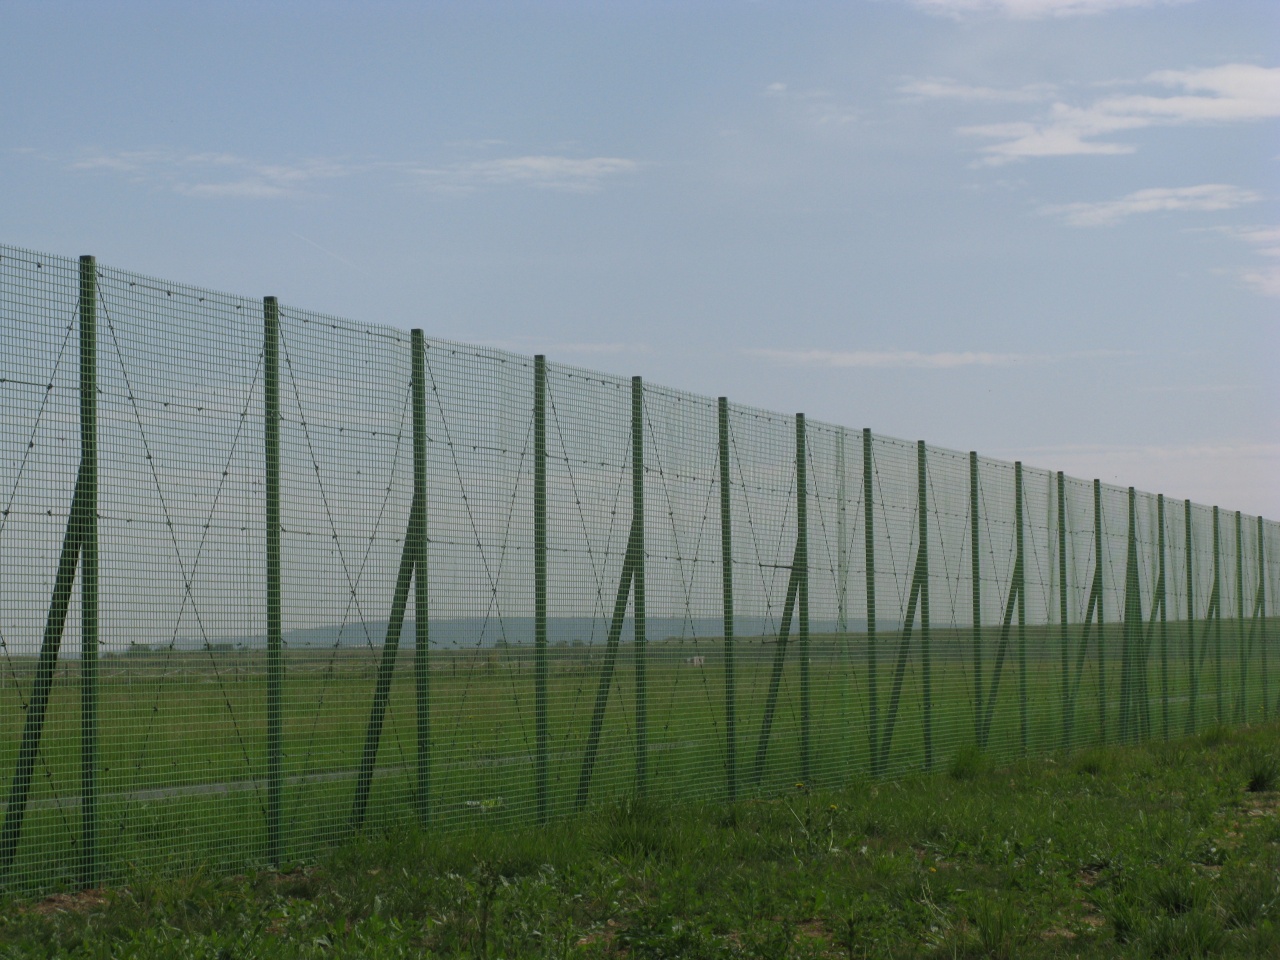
(270,578)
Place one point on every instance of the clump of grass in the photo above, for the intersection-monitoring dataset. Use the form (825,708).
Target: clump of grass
(1217,735)
(994,930)
(1262,771)
(634,828)
(1251,898)
(969,763)
(1092,762)
(1191,937)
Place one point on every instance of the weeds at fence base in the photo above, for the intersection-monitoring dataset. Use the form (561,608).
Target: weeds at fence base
(1156,851)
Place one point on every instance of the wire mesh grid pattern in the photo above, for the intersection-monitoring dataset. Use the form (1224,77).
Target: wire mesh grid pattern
(270,577)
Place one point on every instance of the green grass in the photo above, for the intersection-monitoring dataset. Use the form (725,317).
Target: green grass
(1156,850)
(178,727)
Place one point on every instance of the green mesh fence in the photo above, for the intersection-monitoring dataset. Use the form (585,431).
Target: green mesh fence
(271,577)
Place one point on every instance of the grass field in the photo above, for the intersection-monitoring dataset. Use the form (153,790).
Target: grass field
(1155,850)
(183,760)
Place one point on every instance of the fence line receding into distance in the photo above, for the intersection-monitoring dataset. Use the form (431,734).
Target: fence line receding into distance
(269,577)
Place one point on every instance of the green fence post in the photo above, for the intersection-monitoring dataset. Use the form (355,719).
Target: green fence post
(802,599)
(1020,583)
(1101,621)
(37,706)
(1064,638)
(726,587)
(869,543)
(413,555)
(926,653)
(1216,603)
(275,668)
(791,609)
(842,539)
(637,582)
(542,736)
(82,526)
(918,594)
(89,574)
(1132,627)
(1262,622)
(632,576)
(1242,657)
(975,575)
(1163,600)
(1193,665)
(421,599)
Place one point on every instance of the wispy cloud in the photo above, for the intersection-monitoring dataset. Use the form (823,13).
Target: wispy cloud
(944,88)
(1233,93)
(1263,278)
(815,108)
(196,174)
(1236,471)
(571,174)
(912,359)
(581,348)
(1204,197)
(226,175)
(1033,9)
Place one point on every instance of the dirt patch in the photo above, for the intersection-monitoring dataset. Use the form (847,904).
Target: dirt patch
(81,902)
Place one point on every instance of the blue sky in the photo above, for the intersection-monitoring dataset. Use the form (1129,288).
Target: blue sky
(1042,229)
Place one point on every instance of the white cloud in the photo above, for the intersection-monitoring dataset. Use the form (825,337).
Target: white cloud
(888,359)
(819,109)
(1264,277)
(912,359)
(1204,197)
(944,88)
(528,345)
(570,174)
(225,175)
(1233,93)
(1239,472)
(1033,9)
(214,174)
(1264,280)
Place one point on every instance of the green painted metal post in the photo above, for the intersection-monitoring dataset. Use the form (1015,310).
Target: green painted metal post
(792,608)
(89,867)
(637,583)
(975,576)
(632,577)
(612,641)
(1132,624)
(1163,600)
(79,546)
(918,595)
(421,598)
(37,706)
(1262,622)
(726,586)
(541,776)
(384,676)
(1216,604)
(1101,621)
(869,541)
(412,556)
(1242,656)
(802,600)
(275,667)
(1020,584)
(926,652)
(1193,665)
(1064,637)
(842,539)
